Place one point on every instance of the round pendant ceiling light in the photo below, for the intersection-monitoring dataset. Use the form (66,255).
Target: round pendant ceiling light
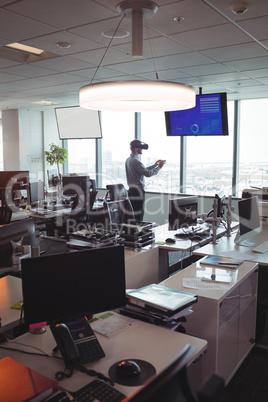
(137,96)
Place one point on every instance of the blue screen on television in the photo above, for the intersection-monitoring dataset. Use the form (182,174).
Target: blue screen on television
(208,117)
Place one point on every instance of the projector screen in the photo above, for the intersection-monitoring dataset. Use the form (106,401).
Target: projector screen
(76,123)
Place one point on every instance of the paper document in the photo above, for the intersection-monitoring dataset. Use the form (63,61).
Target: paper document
(111,323)
(197,283)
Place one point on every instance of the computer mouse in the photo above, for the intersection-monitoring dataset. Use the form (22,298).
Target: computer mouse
(170,240)
(128,368)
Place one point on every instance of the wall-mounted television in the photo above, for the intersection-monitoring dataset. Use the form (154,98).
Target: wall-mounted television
(208,117)
(75,122)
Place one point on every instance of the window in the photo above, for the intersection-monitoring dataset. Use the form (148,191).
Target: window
(253,167)
(209,162)
(153,132)
(82,157)
(118,130)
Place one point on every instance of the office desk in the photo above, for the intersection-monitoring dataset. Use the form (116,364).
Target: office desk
(141,267)
(226,245)
(183,245)
(54,218)
(139,341)
(225,318)
(11,293)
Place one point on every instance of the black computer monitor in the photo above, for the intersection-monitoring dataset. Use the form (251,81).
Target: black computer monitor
(13,232)
(72,285)
(221,203)
(52,177)
(249,221)
(182,212)
(37,192)
(14,183)
(92,184)
(11,177)
(73,185)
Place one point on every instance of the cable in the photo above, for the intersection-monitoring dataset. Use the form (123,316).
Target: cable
(93,373)
(29,353)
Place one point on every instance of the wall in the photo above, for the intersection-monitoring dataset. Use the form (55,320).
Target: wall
(22,141)
(31,143)
(11,139)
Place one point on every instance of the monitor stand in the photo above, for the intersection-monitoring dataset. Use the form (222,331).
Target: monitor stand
(240,242)
(38,331)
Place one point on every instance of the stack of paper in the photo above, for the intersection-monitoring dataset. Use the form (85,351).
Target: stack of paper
(160,298)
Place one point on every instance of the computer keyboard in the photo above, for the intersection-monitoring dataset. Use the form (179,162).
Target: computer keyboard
(96,390)
(261,248)
(198,230)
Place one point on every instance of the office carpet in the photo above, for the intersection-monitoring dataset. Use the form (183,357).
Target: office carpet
(250,383)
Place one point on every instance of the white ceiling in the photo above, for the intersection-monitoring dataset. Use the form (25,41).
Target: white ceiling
(212,48)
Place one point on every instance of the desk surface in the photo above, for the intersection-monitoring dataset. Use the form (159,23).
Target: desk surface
(162,233)
(226,246)
(139,341)
(197,271)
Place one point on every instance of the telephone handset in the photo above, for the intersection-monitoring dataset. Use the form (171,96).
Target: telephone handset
(77,342)
(65,344)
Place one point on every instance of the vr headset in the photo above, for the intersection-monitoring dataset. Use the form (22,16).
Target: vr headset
(138,144)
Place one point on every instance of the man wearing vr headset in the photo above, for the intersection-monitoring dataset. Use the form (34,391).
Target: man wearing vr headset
(135,172)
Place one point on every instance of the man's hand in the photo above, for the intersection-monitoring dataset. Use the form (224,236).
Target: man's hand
(161,163)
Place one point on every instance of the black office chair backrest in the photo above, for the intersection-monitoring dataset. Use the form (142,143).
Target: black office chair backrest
(5,210)
(119,212)
(116,192)
(171,385)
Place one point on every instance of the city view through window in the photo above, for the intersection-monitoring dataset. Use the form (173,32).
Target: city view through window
(208,161)
(208,165)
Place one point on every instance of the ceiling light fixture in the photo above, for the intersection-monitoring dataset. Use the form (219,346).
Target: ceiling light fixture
(64,45)
(137,96)
(119,34)
(25,48)
(179,19)
(239,8)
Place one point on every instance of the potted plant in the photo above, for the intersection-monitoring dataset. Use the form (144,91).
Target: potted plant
(57,155)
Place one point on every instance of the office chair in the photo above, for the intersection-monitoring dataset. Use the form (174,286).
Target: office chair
(5,211)
(22,230)
(116,192)
(81,209)
(118,212)
(117,206)
(171,385)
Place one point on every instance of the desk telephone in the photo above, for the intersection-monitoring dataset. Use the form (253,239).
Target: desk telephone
(77,342)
